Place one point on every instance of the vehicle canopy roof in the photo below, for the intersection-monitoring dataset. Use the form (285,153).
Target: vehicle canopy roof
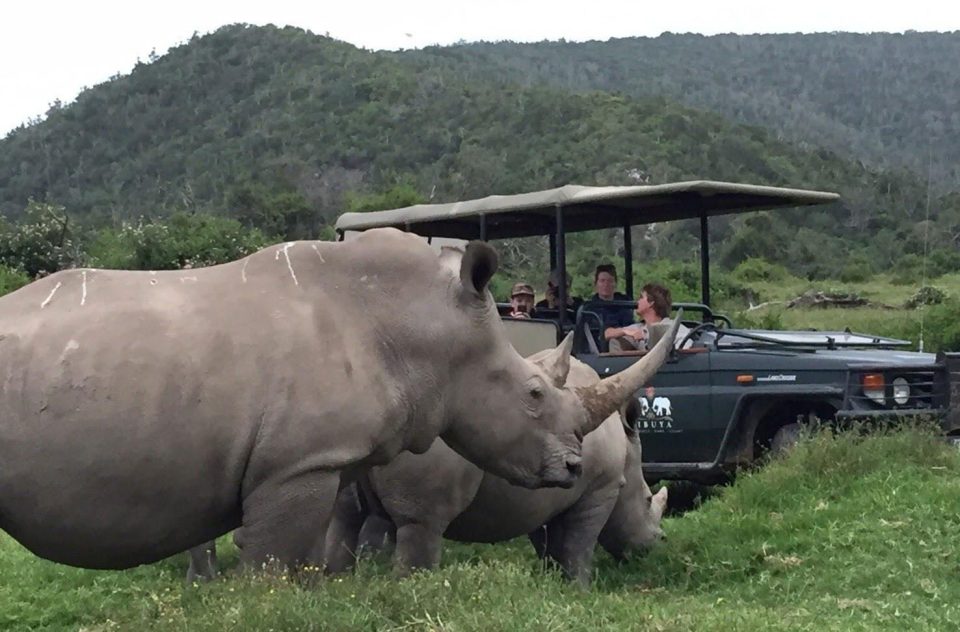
(583,208)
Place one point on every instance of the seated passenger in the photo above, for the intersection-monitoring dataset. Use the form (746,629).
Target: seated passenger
(653,307)
(552,298)
(521,301)
(614,317)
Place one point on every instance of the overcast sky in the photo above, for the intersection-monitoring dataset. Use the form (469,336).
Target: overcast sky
(51,50)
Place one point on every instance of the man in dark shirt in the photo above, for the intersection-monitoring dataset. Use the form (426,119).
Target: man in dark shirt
(615,317)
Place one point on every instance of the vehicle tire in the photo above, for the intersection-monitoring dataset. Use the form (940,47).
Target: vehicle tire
(784,439)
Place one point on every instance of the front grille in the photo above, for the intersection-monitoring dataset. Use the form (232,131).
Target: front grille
(928,389)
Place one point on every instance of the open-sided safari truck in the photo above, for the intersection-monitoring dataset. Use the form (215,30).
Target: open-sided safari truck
(730,394)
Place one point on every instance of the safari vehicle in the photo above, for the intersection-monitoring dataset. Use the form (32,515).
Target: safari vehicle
(733,393)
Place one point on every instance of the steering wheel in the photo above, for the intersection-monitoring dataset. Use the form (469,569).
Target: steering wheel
(696,331)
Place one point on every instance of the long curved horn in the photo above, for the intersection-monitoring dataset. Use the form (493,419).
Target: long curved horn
(604,398)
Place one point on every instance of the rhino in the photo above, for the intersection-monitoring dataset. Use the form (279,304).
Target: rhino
(417,500)
(145,413)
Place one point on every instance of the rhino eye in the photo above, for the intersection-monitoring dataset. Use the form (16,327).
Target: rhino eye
(537,393)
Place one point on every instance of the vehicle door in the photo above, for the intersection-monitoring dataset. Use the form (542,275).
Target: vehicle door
(676,421)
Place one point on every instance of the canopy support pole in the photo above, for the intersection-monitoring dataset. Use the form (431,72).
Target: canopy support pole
(562,267)
(704,261)
(628,260)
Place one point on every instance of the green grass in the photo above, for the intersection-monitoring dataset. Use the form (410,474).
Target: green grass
(889,317)
(847,533)
(880,288)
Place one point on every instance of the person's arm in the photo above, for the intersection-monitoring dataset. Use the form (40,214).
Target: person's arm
(612,332)
(634,331)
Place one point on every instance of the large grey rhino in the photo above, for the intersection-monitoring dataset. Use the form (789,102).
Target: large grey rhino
(144,413)
(420,498)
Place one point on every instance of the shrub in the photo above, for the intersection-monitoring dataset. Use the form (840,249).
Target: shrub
(186,240)
(41,243)
(927,295)
(909,270)
(758,320)
(12,279)
(757,269)
(941,326)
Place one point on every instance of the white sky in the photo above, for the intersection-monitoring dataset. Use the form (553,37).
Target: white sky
(52,49)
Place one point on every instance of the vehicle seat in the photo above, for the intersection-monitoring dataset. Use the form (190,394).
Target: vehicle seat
(530,336)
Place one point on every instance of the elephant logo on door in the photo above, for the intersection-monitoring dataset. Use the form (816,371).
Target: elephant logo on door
(656,412)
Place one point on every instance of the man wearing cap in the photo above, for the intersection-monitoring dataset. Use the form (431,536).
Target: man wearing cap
(521,300)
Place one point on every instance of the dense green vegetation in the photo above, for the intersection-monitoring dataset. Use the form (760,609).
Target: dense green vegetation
(755,293)
(282,130)
(885,98)
(847,533)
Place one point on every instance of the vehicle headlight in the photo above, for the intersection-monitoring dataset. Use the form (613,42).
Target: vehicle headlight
(901,390)
(873,387)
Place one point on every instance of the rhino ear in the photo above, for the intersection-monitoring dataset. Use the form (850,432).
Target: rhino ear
(478,266)
(556,364)
(659,501)
(451,258)
(630,416)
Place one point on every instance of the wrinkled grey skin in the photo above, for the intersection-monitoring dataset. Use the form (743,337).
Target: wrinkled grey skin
(145,413)
(419,499)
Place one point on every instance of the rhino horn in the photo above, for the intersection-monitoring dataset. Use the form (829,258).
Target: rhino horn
(604,398)
(556,364)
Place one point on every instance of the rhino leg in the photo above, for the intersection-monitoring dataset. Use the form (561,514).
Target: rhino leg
(203,562)
(282,520)
(340,547)
(377,534)
(580,527)
(418,547)
(547,539)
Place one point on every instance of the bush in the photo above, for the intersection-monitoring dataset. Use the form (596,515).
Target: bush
(941,326)
(185,241)
(857,269)
(943,261)
(927,295)
(12,279)
(758,320)
(757,269)
(909,271)
(41,243)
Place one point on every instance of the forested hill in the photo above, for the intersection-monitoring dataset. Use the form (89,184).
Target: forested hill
(248,114)
(886,99)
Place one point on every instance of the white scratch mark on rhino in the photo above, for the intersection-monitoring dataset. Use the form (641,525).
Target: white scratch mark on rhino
(73,345)
(317,250)
(243,270)
(83,296)
(189,278)
(52,292)
(286,255)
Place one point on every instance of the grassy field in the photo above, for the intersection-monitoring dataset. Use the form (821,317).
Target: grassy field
(845,534)
(888,316)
